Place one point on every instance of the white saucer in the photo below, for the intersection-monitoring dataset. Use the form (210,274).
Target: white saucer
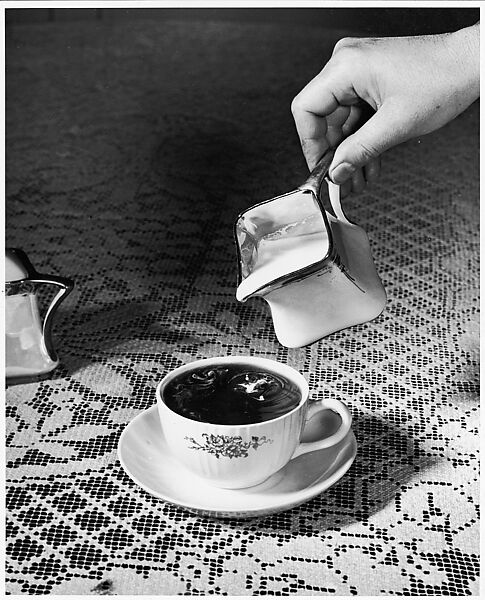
(147,460)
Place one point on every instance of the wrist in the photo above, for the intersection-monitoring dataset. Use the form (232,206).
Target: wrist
(464,45)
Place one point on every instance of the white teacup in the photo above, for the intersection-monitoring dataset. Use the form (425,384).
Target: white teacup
(239,456)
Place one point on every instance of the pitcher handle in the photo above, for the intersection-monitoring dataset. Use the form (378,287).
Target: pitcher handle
(316,179)
(335,201)
(66,286)
(320,171)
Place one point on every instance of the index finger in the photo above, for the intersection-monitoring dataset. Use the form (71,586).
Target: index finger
(317,100)
(311,123)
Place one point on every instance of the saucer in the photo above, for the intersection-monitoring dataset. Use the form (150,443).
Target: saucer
(144,455)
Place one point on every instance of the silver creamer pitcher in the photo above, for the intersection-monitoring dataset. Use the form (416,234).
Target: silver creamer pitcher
(314,268)
(29,351)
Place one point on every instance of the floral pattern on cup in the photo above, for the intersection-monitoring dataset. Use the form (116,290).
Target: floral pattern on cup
(229,446)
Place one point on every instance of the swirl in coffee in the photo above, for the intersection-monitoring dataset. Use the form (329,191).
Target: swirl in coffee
(235,394)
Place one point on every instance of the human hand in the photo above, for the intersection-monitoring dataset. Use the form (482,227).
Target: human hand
(415,85)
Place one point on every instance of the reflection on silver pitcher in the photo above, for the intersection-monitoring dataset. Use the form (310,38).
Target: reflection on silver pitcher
(314,268)
(29,351)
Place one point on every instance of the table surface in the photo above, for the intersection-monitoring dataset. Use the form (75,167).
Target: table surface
(131,148)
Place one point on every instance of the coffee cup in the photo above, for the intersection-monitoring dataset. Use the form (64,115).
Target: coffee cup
(241,448)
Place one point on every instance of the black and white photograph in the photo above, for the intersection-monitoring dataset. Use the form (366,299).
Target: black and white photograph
(242,289)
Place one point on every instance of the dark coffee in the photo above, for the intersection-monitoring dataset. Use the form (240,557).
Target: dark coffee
(235,394)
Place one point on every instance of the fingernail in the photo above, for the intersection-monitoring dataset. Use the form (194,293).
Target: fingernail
(341,173)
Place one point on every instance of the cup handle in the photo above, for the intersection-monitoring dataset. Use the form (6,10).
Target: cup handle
(314,408)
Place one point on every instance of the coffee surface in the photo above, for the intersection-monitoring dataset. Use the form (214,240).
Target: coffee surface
(235,394)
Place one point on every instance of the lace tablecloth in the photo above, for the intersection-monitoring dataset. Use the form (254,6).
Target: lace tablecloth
(131,148)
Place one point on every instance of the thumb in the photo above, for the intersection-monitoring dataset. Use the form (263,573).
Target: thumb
(381,132)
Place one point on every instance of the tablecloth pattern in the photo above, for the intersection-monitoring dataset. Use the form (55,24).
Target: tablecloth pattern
(131,148)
